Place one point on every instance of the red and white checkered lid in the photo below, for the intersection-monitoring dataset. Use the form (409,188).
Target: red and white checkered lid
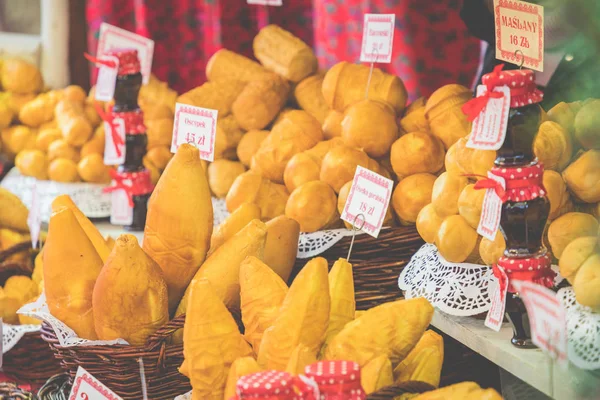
(129,62)
(339,379)
(521,82)
(266,384)
(134,121)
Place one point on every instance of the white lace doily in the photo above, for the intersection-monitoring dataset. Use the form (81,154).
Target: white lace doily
(456,289)
(66,336)
(583,332)
(185,396)
(11,334)
(89,197)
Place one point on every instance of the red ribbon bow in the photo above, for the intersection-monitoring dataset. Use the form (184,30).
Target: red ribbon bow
(502,278)
(489,183)
(108,63)
(475,106)
(117,140)
(119,183)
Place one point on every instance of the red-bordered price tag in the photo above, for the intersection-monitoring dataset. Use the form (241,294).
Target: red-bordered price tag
(491,210)
(378,38)
(112,37)
(547,318)
(114,142)
(489,128)
(520,33)
(121,212)
(34,219)
(196,126)
(370,197)
(87,387)
(495,315)
(265,2)
(107,79)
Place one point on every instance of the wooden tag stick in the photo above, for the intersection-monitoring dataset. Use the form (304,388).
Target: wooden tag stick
(355,228)
(371,69)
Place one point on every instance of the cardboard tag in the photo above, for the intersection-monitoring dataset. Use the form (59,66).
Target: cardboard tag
(111,157)
(107,79)
(121,213)
(547,318)
(370,196)
(34,219)
(112,37)
(495,315)
(491,210)
(378,38)
(197,126)
(520,33)
(489,128)
(265,2)
(87,387)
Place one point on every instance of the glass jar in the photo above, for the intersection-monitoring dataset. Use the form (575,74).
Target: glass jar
(521,129)
(127,89)
(522,224)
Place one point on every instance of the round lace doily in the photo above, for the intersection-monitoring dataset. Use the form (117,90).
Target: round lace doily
(185,396)
(456,289)
(66,336)
(89,197)
(11,334)
(583,332)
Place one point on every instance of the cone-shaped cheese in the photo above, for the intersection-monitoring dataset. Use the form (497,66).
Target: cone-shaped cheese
(233,224)
(376,374)
(211,342)
(460,391)
(90,229)
(301,357)
(302,319)
(424,362)
(130,297)
(262,292)
(179,221)
(281,246)
(222,268)
(71,266)
(392,329)
(341,293)
(241,367)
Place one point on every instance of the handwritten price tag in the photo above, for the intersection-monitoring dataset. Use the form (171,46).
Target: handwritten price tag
(520,33)
(491,211)
(107,79)
(34,219)
(378,38)
(112,156)
(495,315)
(121,213)
(370,196)
(265,2)
(489,128)
(547,318)
(86,387)
(112,37)
(197,126)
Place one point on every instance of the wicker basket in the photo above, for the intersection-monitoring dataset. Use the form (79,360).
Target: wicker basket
(117,366)
(377,263)
(31,360)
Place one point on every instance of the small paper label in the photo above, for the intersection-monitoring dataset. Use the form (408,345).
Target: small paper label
(495,315)
(112,37)
(547,318)
(197,126)
(378,38)
(265,2)
(112,156)
(121,213)
(489,128)
(368,201)
(520,33)
(491,210)
(87,387)
(107,79)
(34,219)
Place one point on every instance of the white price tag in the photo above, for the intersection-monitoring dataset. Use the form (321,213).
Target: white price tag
(378,38)
(547,318)
(370,197)
(112,37)
(265,2)
(34,219)
(87,387)
(491,210)
(495,315)
(107,79)
(196,126)
(121,213)
(489,128)
(520,33)
(114,153)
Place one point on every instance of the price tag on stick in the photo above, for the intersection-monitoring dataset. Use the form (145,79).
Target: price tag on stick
(520,33)
(112,37)
(370,196)
(378,38)
(196,126)
(87,387)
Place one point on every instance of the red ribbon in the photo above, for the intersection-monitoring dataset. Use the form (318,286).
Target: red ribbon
(475,106)
(119,184)
(498,274)
(117,140)
(108,63)
(511,184)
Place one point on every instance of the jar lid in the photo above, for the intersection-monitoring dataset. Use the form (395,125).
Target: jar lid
(522,183)
(134,183)
(330,372)
(129,63)
(133,120)
(523,90)
(535,269)
(265,384)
